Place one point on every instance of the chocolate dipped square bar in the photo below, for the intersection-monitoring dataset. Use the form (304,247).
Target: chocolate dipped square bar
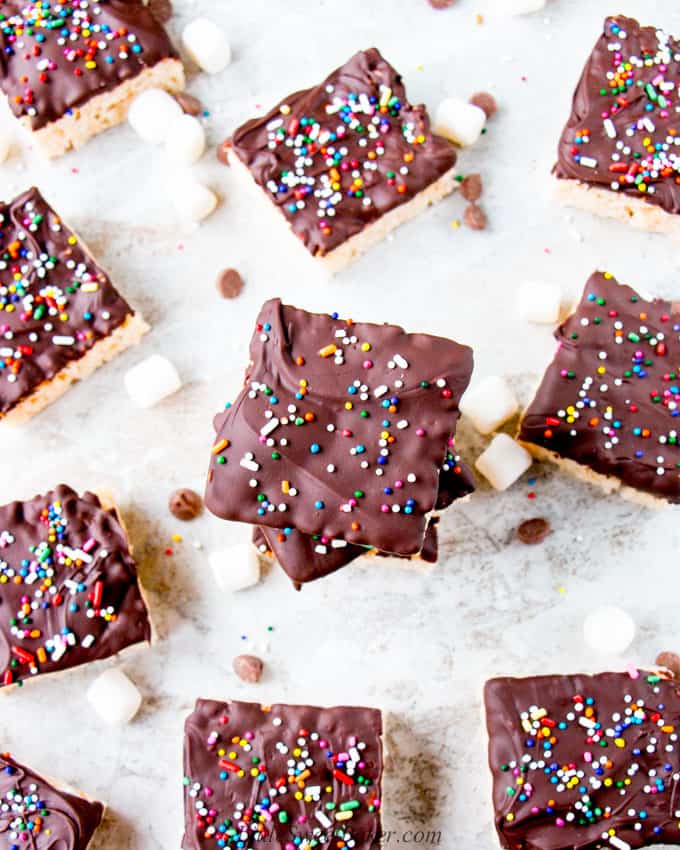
(60,315)
(607,408)
(36,813)
(618,155)
(306,558)
(69,70)
(282,776)
(341,429)
(584,762)
(69,592)
(346,161)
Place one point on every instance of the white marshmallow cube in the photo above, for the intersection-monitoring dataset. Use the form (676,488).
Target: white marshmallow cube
(207,45)
(609,630)
(520,7)
(185,142)
(540,302)
(235,567)
(503,462)
(489,404)
(151,113)
(5,144)
(151,381)
(114,697)
(459,121)
(193,200)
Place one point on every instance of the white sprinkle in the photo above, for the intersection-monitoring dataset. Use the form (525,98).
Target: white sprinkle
(609,128)
(272,425)
(380,391)
(400,361)
(323,820)
(63,340)
(588,162)
(403,423)
(250,465)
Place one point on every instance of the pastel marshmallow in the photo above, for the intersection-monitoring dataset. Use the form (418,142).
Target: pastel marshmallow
(151,381)
(185,142)
(207,45)
(459,121)
(489,404)
(539,302)
(193,200)
(503,462)
(235,567)
(609,629)
(151,113)
(115,699)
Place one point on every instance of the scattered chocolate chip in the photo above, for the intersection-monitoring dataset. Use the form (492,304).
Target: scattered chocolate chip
(185,504)
(229,283)
(471,187)
(533,531)
(223,151)
(248,668)
(161,10)
(486,102)
(190,105)
(474,217)
(441,4)
(671,661)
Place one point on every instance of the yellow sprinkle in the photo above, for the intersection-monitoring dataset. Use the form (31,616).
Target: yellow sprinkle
(365,346)
(285,486)
(343,815)
(328,350)
(177,538)
(455,223)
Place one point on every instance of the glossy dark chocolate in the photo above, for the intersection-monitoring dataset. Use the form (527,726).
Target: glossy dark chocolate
(34,815)
(55,56)
(282,776)
(306,558)
(56,303)
(338,156)
(584,762)
(68,586)
(610,398)
(341,429)
(622,131)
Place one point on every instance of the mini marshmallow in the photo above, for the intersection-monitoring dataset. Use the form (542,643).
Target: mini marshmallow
(539,302)
(609,630)
(185,142)
(151,114)
(114,697)
(193,200)
(235,567)
(489,404)
(459,121)
(151,381)
(520,7)
(207,45)
(503,462)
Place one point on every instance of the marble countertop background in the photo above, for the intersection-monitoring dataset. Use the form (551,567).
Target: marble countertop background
(418,645)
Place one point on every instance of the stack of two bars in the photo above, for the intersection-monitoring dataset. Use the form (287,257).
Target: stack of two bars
(341,441)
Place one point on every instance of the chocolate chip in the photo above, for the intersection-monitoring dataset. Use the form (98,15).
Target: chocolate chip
(475,217)
(248,668)
(190,105)
(671,661)
(161,10)
(533,531)
(229,283)
(471,187)
(223,152)
(486,102)
(441,4)
(185,504)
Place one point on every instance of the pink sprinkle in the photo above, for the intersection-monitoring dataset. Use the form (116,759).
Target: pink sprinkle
(399,484)
(385,509)
(420,432)
(587,757)
(368,364)
(633,671)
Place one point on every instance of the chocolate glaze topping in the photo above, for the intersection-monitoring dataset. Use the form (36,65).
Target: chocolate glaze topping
(584,762)
(306,558)
(610,399)
(622,133)
(68,585)
(55,56)
(341,429)
(56,303)
(37,816)
(281,776)
(336,157)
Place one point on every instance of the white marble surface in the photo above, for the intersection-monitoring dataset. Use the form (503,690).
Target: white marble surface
(420,646)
